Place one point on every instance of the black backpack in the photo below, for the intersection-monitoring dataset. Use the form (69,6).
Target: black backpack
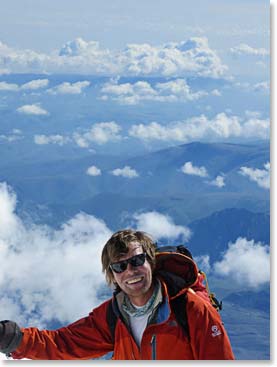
(178,304)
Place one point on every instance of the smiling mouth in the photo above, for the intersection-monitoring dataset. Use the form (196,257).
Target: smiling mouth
(134,281)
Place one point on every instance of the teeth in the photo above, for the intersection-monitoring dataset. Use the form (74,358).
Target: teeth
(134,280)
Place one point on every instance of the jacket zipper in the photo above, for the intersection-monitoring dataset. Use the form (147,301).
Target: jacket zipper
(154,347)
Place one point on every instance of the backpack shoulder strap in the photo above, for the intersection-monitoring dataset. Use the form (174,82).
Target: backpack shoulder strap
(111,318)
(178,306)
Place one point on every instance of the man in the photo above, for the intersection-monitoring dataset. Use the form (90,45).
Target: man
(146,326)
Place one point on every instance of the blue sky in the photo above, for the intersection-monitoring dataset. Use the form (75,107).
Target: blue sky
(44,26)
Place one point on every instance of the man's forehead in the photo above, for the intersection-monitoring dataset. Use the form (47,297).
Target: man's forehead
(133,247)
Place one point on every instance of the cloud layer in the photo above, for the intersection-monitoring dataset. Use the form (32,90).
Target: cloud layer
(130,94)
(221,126)
(46,272)
(191,57)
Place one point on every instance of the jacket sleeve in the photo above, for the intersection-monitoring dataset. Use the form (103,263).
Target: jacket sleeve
(208,337)
(86,338)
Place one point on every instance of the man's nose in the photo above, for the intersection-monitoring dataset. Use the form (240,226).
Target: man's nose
(130,267)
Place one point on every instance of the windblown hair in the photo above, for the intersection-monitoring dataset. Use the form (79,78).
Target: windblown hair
(118,245)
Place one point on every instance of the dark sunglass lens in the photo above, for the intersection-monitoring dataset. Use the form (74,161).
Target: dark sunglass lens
(119,267)
(137,260)
(123,266)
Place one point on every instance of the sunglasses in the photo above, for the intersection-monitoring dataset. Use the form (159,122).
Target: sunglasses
(121,266)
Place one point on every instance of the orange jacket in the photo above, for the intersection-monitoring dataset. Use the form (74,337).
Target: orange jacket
(90,337)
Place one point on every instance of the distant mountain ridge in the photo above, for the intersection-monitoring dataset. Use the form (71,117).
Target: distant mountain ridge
(212,234)
(65,188)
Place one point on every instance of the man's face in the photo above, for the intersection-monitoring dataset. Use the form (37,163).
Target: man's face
(135,281)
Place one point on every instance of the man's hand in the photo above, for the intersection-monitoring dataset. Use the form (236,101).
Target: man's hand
(10,336)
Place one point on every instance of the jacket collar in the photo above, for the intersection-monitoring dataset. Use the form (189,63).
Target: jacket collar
(161,304)
(119,299)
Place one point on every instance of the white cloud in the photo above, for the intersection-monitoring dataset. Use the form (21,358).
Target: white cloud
(76,56)
(173,91)
(256,128)
(191,57)
(35,84)
(11,87)
(100,133)
(79,47)
(63,88)
(179,89)
(153,131)
(246,262)
(80,140)
(221,126)
(51,139)
(10,138)
(66,263)
(189,169)
(8,220)
(14,135)
(262,87)
(216,92)
(32,109)
(94,171)
(260,176)
(160,226)
(218,181)
(126,171)
(244,49)
(69,88)
(129,94)
(31,85)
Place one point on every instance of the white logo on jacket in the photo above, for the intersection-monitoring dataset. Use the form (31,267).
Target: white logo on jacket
(215,331)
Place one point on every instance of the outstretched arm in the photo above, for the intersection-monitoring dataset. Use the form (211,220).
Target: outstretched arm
(86,338)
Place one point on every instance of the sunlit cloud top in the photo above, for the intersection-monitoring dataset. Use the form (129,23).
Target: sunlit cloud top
(192,57)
